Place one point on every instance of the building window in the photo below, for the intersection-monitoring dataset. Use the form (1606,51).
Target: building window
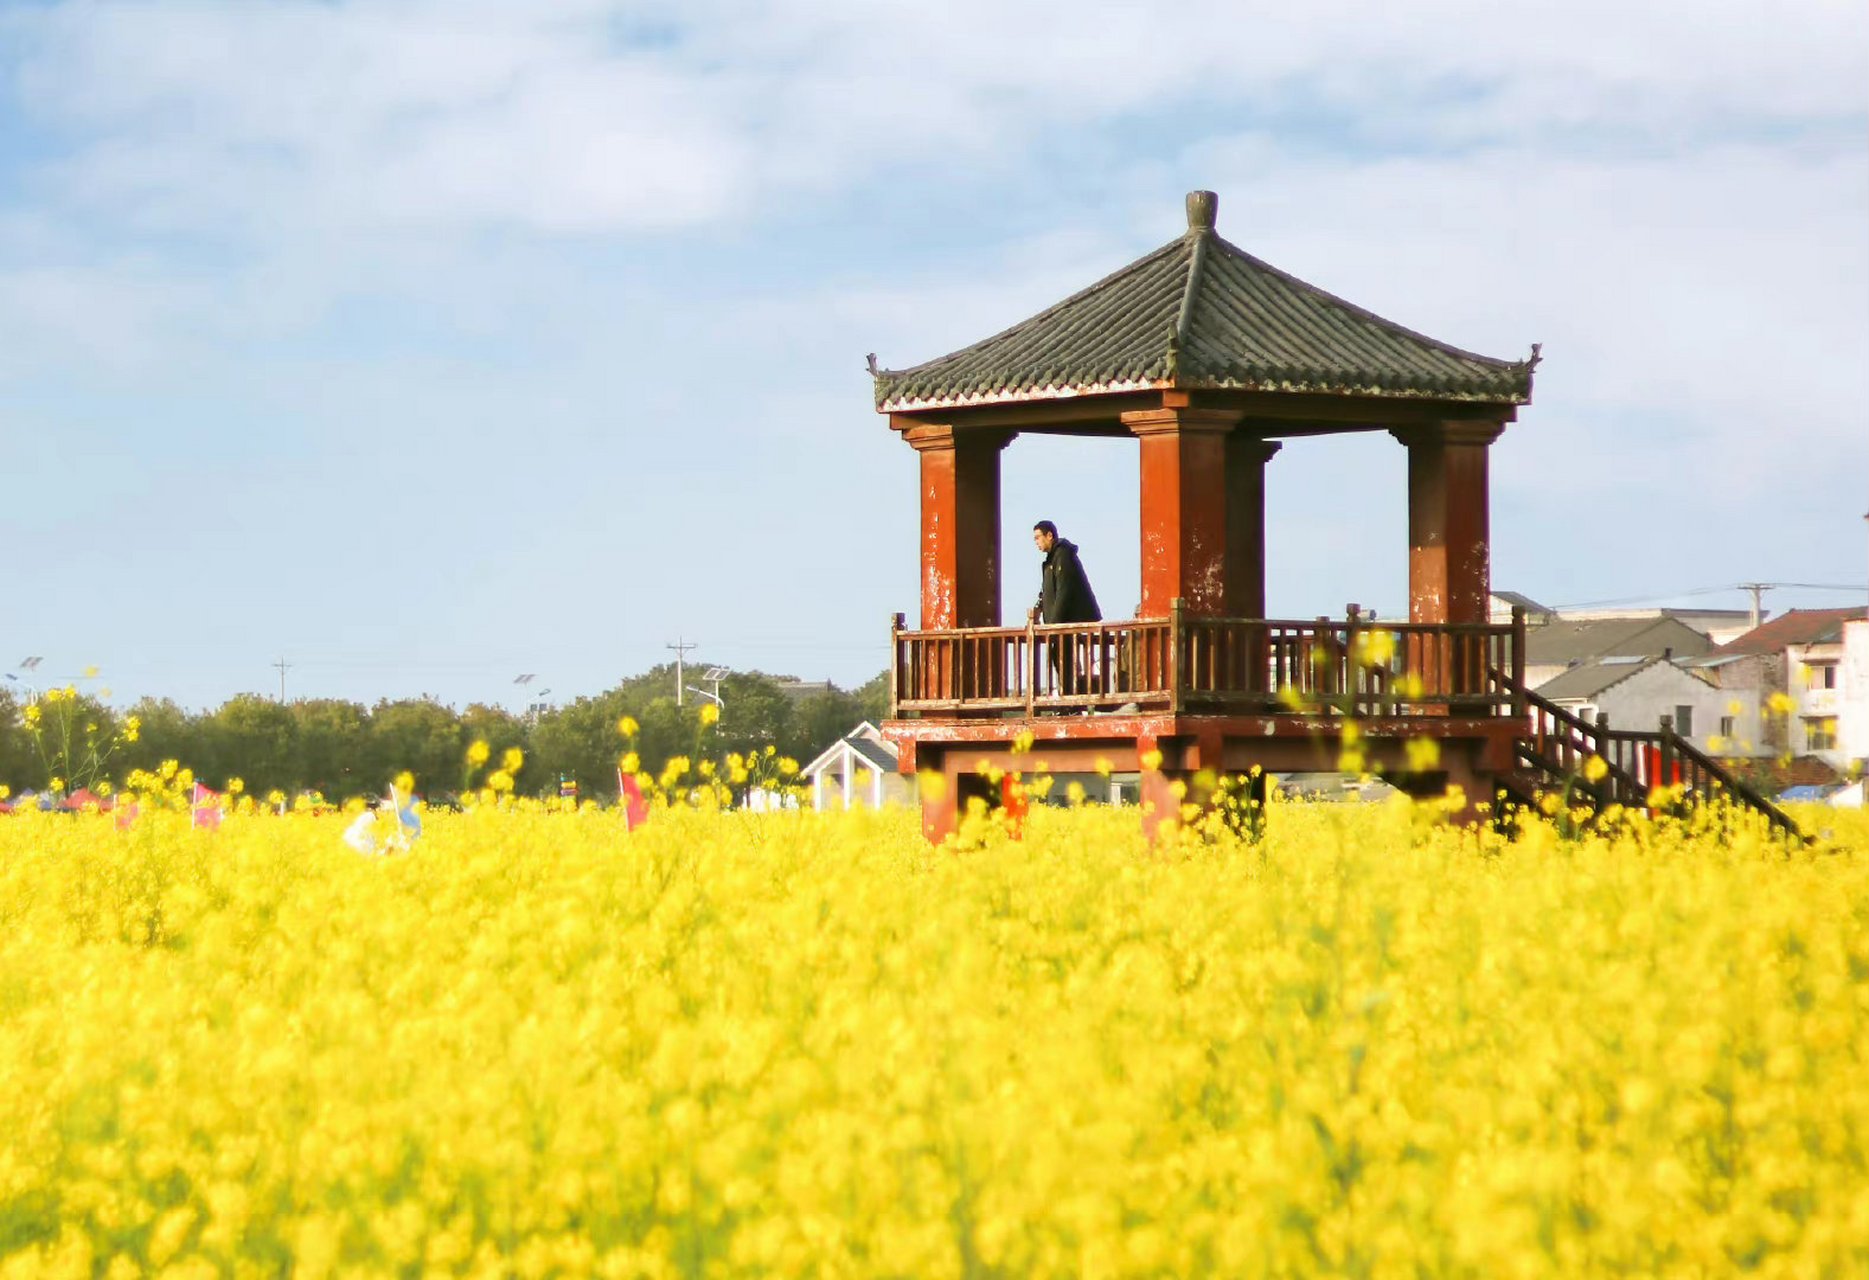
(1820,675)
(1820,733)
(1684,721)
(1729,726)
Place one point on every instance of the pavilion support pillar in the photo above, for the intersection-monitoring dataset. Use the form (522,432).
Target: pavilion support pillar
(1449,545)
(1185,531)
(1245,568)
(1449,542)
(960,525)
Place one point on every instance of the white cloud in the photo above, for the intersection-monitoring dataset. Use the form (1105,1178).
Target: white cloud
(548,117)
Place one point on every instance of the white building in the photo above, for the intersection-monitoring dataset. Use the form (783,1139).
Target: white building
(1853,693)
(858,771)
(1800,654)
(1560,645)
(1636,692)
(1717,625)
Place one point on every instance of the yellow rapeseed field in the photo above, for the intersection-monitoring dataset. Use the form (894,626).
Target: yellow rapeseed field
(793,1044)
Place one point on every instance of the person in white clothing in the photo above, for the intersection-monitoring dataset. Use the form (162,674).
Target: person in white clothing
(361,834)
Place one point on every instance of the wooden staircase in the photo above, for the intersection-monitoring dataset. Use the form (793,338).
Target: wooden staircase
(1553,754)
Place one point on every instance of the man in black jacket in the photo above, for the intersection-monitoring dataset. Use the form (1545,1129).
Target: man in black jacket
(1064,596)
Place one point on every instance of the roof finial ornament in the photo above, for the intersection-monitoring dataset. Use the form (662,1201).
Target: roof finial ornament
(874,371)
(1537,355)
(1203,207)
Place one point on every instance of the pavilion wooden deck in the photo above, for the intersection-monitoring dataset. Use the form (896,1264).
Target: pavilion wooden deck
(1185,664)
(1225,694)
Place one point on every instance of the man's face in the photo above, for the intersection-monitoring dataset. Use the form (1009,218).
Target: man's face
(1043,541)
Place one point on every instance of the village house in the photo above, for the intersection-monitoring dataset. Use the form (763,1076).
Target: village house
(1637,692)
(1800,655)
(1718,625)
(1853,694)
(1563,644)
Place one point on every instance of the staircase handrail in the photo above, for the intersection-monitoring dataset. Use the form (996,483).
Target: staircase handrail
(1590,736)
(1733,783)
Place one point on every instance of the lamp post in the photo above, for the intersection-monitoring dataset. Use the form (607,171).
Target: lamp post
(28,665)
(713,675)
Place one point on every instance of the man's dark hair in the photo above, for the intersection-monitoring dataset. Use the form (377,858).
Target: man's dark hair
(1045,526)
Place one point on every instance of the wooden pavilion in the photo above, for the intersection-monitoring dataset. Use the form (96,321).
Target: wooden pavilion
(1208,357)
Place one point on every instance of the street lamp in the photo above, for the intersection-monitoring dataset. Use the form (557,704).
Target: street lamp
(27,664)
(713,675)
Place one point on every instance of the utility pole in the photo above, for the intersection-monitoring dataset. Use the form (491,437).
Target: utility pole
(1758,590)
(283,667)
(681,648)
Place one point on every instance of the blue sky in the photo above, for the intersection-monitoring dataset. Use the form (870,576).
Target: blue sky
(426,343)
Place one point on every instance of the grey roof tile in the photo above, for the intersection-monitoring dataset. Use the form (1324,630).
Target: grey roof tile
(1198,313)
(1583,639)
(1590,679)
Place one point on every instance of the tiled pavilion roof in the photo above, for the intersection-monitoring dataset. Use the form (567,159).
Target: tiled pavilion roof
(1200,313)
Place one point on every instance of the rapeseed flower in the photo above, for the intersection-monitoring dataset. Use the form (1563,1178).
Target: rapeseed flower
(800,1043)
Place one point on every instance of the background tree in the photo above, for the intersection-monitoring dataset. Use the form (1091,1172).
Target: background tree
(757,713)
(872,698)
(501,730)
(19,764)
(579,741)
(417,734)
(165,732)
(341,749)
(333,743)
(818,721)
(252,738)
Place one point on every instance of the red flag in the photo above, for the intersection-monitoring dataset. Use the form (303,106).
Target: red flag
(1012,802)
(206,808)
(635,805)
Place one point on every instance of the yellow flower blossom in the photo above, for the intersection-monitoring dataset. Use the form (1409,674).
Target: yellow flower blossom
(1424,754)
(792,1043)
(710,714)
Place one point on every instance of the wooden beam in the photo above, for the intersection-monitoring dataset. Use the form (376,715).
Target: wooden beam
(1270,413)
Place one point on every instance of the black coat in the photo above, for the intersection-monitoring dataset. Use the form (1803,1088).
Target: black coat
(1066,595)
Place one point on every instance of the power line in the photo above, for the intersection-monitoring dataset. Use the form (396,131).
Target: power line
(1655,597)
(284,667)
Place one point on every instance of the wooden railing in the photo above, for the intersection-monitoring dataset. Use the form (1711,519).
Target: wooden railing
(1349,666)
(1559,745)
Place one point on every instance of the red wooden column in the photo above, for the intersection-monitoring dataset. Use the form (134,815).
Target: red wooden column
(1449,541)
(1184,508)
(1245,572)
(960,525)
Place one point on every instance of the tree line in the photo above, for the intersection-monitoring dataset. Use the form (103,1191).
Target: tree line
(340,748)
